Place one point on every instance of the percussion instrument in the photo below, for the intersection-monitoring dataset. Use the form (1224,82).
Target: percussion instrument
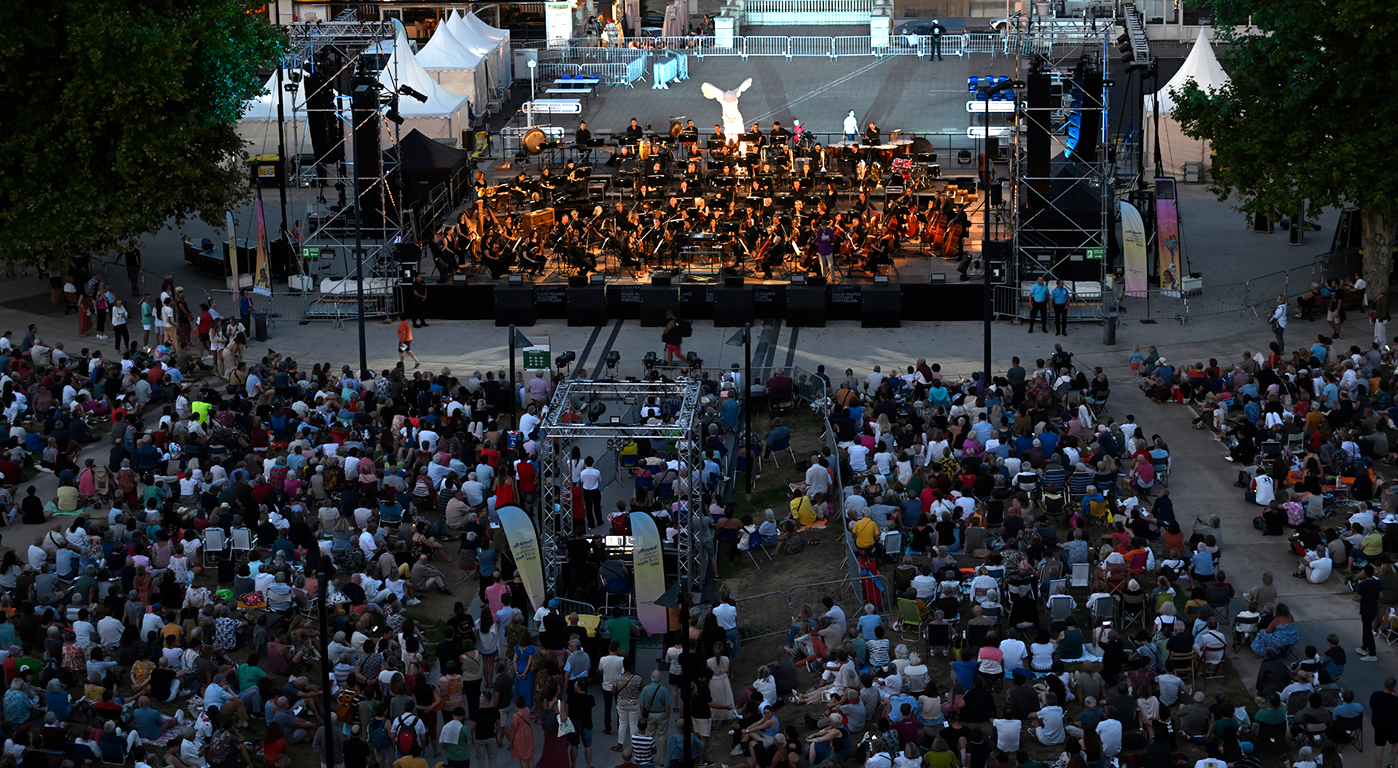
(534,140)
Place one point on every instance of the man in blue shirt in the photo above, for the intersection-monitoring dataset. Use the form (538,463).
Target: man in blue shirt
(1039,295)
(1059,294)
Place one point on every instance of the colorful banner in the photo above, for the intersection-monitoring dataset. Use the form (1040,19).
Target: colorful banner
(1133,247)
(261,272)
(648,566)
(232,251)
(524,545)
(1167,234)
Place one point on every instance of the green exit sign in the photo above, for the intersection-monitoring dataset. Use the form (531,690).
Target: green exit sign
(1096,254)
(311,252)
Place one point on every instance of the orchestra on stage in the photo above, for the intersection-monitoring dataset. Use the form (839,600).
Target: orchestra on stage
(771,203)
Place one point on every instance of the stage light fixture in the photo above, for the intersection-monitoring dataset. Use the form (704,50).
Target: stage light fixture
(612,359)
(406,91)
(566,359)
(695,361)
(393,116)
(1123,37)
(650,361)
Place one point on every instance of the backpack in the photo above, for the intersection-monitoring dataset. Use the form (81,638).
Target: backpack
(347,706)
(378,733)
(406,732)
(686,328)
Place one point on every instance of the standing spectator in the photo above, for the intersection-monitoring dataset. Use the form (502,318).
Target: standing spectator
(1278,321)
(1039,296)
(1366,593)
(405,341)
(1060,295)
(1383,711)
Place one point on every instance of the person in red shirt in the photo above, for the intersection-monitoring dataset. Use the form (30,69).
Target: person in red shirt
(405,341)
(206,324)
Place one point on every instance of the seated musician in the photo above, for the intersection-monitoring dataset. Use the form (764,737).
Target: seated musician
(862,204)
(634,131)
(755,137)
(773,256)
(519,188)
(495,262)
(581,140)
(779,135)
(717,138)
(546,185)
(574,183)
(482,188)
(531,254)
(880,253)
(871,135)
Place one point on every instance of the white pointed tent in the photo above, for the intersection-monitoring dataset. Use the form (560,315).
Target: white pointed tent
(478,35)
(258,125)
(444,112)
(1176,149)
(456,67)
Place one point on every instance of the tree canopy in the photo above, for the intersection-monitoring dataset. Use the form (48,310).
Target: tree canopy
(1310,114)
(119,118)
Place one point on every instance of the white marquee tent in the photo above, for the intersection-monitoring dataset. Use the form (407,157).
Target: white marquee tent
(258,125)
(481,37)
(456,67)
(1176,149)
(442,116)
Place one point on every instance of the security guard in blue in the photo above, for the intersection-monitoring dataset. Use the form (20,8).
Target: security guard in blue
(1059,295)
(1039,293)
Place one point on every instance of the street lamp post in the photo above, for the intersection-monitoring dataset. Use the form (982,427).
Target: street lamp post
(529,115)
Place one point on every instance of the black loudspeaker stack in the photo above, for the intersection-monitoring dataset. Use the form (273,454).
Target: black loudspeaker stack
(587,306)
(368,159)
(1297,233)
(327,141)
(997,257)
(805,307)
(992,149)
(514,305)
(732,306)
(1036,140)
(1262,223)
(881,307)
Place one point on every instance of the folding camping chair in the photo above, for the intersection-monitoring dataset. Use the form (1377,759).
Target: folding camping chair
(911,618)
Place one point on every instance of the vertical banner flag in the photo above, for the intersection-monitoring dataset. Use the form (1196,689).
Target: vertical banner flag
(1167,238)
(1133,246)
(648,565)
(524,545)
(232,251)
(261,273)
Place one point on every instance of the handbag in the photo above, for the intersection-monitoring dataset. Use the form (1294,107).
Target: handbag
(565,727)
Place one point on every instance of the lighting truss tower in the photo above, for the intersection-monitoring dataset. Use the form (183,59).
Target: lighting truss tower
(572,418)
(1066,96)
(331,59)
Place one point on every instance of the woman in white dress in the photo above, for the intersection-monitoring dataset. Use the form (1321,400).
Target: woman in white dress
(721,690)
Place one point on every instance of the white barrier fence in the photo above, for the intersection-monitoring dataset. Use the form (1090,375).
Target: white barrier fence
(922,46)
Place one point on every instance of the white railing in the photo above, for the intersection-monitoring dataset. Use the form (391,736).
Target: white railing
(807,12)
(852,46)
(810,46)
(764,45)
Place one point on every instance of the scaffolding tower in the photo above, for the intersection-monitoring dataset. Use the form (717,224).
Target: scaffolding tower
(1062,202)
(330,62)
(610,411)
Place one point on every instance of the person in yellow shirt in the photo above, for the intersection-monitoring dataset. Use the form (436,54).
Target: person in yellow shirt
(801,509)
(866,532)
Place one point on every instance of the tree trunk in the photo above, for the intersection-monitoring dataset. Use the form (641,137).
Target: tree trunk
(1380,229)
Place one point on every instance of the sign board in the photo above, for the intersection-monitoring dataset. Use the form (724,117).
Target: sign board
(538,357)
(558,22)
(1095,254)
(311,253)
